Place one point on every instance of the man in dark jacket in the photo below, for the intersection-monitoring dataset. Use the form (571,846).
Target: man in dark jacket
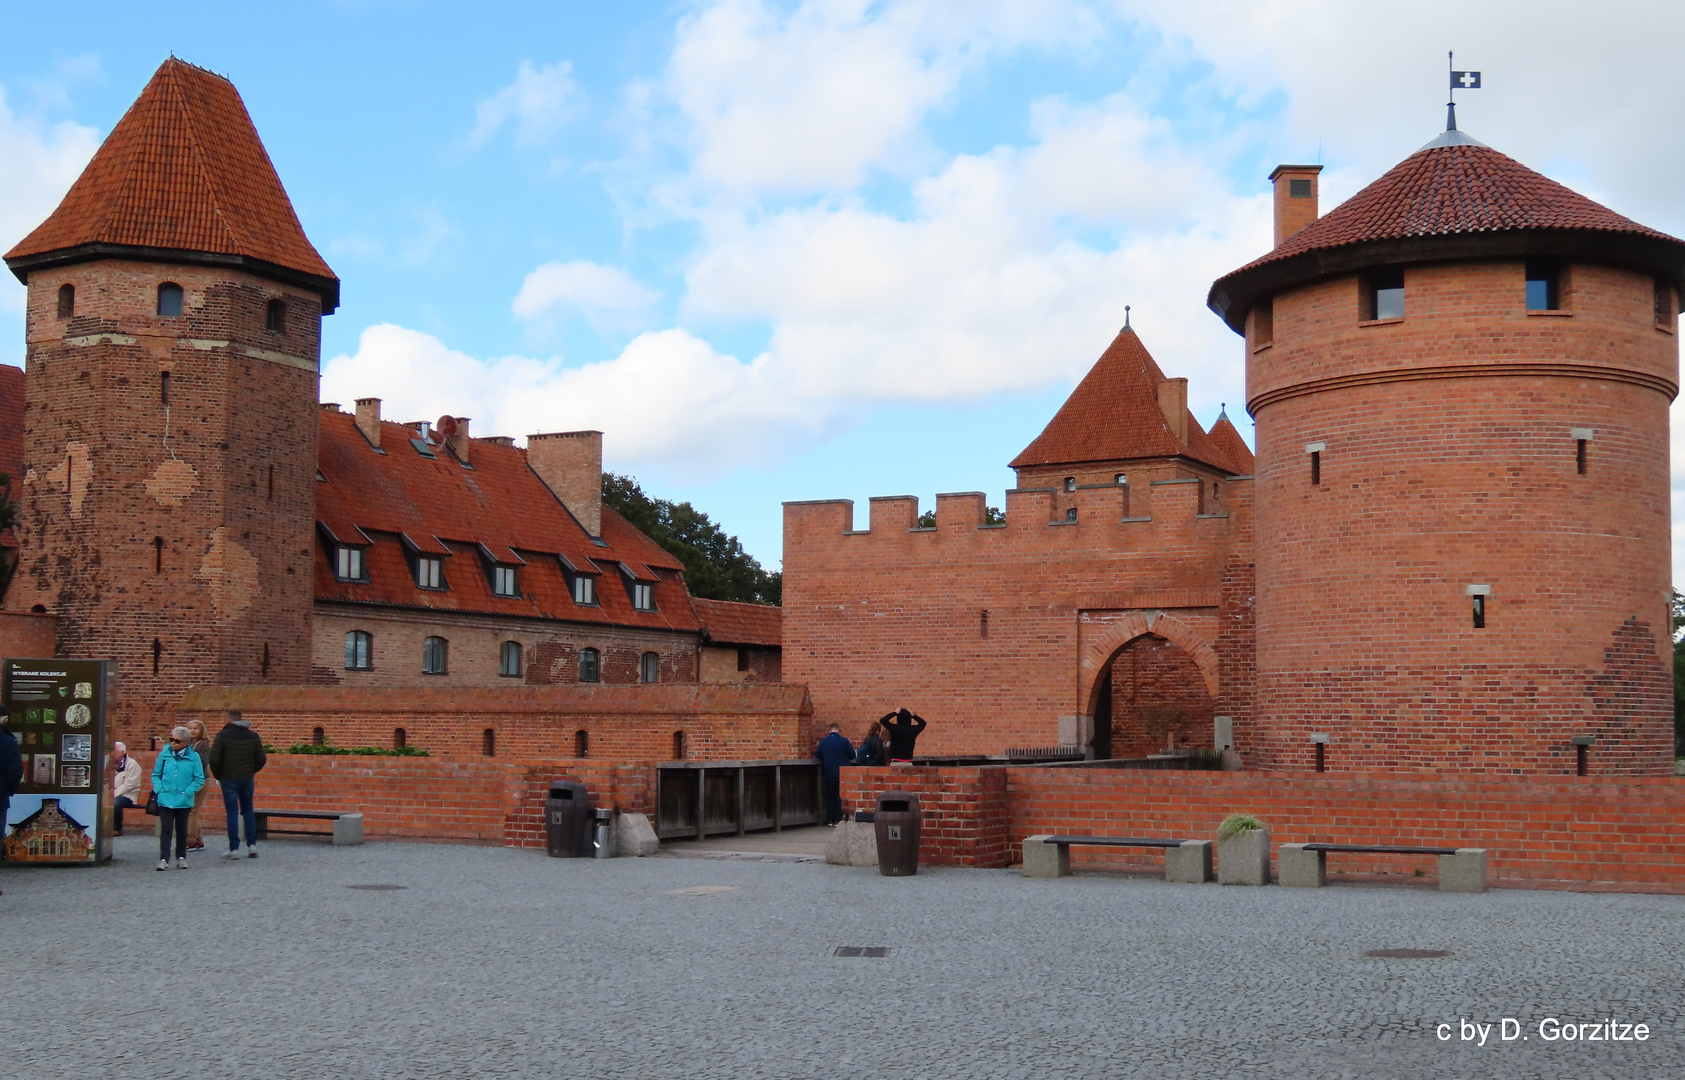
(834,751)
(11,772)
(236,756)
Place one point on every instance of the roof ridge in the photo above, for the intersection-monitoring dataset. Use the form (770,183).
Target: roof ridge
(197,146)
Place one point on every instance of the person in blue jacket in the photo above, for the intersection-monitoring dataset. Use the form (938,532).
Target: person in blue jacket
(834,751)
(176,779)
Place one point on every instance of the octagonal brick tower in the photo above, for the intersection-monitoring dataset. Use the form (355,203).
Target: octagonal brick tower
(174,340)
(1460,379)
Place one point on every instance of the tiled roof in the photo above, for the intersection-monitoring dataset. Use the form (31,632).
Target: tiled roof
(1454,189)
(1113,415)
(1237,455)
(498,510)
(1453,199)
(183,170)
(727,622)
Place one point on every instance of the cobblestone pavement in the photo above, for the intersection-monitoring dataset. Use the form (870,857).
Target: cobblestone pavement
(495,962)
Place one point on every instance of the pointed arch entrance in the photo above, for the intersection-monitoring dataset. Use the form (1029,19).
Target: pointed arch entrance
(1149,683)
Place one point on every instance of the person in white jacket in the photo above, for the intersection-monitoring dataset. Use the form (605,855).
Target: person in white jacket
(125,785)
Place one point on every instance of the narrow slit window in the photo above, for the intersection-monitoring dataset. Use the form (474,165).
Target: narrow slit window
(488,743)
(1263,324)
(265,665)
(169,300)
(1543,285)
(400,739)
(157,554)
(272,483)
(318,737)
(157,654)
(983,623)
(164,388)
(1479,611)
(582,743)
(1580,456)
(1664,303)
(67,301)
(679,747)
(1316,468)
(742,658)
(275,318)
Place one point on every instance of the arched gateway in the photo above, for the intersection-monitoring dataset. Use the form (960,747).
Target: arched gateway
(1149,682)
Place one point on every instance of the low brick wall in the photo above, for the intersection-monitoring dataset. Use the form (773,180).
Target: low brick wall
(720,722)
(489,802)
(1622,834)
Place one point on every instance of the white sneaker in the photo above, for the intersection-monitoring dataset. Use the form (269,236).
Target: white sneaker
(251,851)
(231,853)
(181,864)
(163,864)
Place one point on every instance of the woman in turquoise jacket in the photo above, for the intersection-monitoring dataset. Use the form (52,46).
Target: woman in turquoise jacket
(176,779)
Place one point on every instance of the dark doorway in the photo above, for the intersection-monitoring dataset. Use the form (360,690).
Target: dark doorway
(1152,699)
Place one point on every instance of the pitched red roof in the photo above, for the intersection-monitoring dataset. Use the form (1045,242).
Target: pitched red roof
(1114,415)
(183,170)
(1229,443)
(400,503)
(727,622)
(1454,198)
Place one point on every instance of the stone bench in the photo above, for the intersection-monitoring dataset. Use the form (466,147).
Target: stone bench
(347,825)
(1049,856)
(1305,866)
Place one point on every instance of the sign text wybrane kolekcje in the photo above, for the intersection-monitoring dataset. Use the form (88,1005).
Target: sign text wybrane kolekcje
(57,709)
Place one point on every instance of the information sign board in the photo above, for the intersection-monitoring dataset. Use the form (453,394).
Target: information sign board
(61,812)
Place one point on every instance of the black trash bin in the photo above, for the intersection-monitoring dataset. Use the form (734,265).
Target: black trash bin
(567,821)
(896,823)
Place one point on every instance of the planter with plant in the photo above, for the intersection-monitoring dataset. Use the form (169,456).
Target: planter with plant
(1243,851)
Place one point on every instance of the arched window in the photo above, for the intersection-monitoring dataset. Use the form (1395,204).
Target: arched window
(649,667)
(488,743)
(590,665)
(509,659)
(67,301)
(400,739)
(1070,483)
(318,737)
(359,650)
(169,299)
(434,655)
(582,743)
(679,746)
(275,318)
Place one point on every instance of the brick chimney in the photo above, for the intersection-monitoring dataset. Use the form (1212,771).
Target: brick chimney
(458,439)
(571,464)
(1173,402)
(1295,198)
(368,418)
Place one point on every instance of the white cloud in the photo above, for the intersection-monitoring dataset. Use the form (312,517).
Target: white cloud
(540,102)
(811,98)
(604,295)
(38,163)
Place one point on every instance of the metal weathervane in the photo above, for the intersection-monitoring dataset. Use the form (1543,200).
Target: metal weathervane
(1460,80)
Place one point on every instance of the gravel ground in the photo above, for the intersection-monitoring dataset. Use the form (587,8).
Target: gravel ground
(497,962)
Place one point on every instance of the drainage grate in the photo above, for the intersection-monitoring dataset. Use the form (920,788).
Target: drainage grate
(1407,954)
(875,952)
(377,888)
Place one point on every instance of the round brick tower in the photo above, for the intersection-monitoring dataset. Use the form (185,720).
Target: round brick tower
(1460,379)
(174,338)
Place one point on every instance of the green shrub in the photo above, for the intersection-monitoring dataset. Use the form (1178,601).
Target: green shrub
(1235,824)
(328,749)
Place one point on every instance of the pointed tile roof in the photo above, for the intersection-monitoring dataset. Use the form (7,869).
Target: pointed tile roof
(1113,415)
(183,176)
(1451,199)
(1229,443)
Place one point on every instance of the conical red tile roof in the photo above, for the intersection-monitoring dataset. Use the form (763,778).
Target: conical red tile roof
(1113,415)
(1455,198)
(183,171)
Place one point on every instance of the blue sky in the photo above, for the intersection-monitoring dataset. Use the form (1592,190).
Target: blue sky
(813,250)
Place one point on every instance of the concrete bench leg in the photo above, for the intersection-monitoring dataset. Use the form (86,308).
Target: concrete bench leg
(1301,869)
(347,830)
(1463,872)
(1042,859)
(1189,864)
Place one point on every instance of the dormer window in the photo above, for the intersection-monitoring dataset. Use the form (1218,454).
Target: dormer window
(585,590)
(643,596)
(430,572)
(504,581)
(349,564)
(169,300)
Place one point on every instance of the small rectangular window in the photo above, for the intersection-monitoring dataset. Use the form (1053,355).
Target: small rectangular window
(509,659)
(1479,612)
(275,318)
(742,658)
(1543,285)
(584,589)
(643,596)
(503,581)
(590,667)
(1664,303)
(359,645)
(649,667)
(434,656)
(1382,294)
(1263,323)
(350,564)
(1316,467)
(430,572)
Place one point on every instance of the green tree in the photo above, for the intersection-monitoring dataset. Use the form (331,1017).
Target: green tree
(8,520)
(992,515)
(716,566)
